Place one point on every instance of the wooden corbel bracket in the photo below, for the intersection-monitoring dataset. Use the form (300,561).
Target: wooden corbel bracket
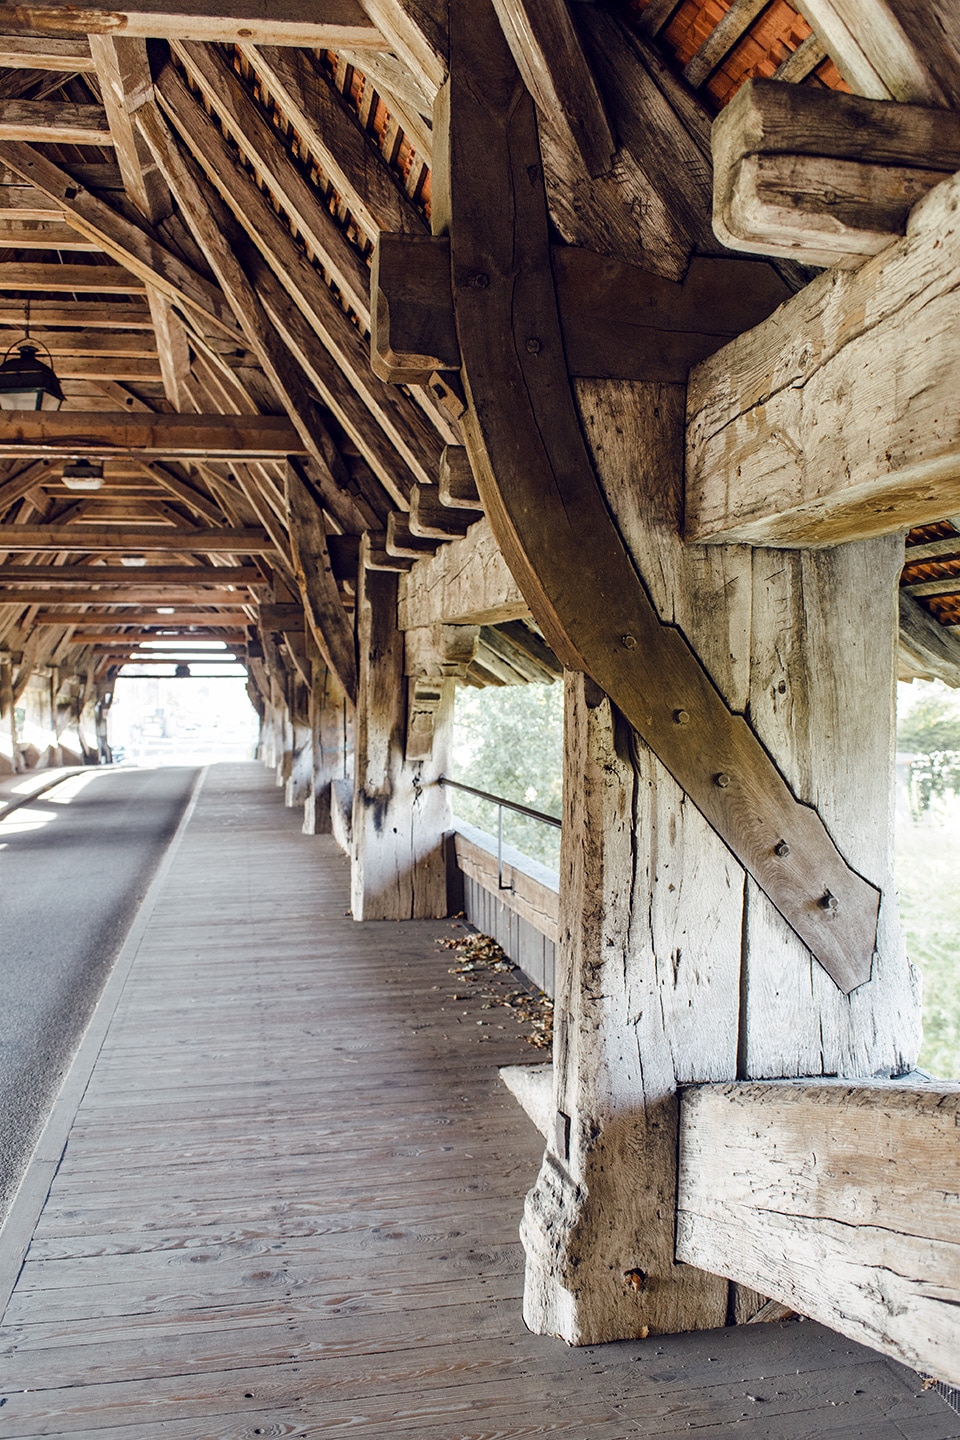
(822,177)
(515,338)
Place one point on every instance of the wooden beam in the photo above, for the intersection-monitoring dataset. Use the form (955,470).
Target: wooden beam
(402,542)
(55,122)
(129,344)
(132,246)
(16,234)
(66,433)
(552,520)
(869,45)
(223,89)
(25,52)
(75,314)
(69,279)
(405,428)
(837,1198)
(145,619)
(350,161)
(220,577)
(94,538)
(852,430)
(822,177)
(212,234)
(546,48)
(109,367)
(619,322)
(290,22)
(457,487)
(317,584)
(121,595)
(721,40)
(928,650)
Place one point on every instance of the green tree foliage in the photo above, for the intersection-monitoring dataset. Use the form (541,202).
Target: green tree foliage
(510,741)
(928,866)
(930,731)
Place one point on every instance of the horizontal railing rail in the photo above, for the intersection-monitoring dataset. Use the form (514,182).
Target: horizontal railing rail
(501,804)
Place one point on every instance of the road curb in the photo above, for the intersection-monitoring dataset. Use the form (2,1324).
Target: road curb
(12,805)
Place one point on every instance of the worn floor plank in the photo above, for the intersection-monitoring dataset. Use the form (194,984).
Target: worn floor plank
(289,1201)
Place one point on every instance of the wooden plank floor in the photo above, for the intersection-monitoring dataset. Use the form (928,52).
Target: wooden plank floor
(289,1203)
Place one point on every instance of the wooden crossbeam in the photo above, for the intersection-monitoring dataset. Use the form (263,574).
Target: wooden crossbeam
(31,52)
(121,595)
(69,279)
(136,248)
(77,315)
(98,538)
(619,322)
(16,234)
(221,577)
(99,618)
(837,1198)
(131,344)
(853,429)
(64,434)
(326,25)
(55,122)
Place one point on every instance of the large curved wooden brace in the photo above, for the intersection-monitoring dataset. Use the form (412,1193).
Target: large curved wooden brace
(537,483)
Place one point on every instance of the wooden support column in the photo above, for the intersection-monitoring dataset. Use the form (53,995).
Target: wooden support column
(404,724)
(331,729)
(673,965)
(299,779)
(8,738)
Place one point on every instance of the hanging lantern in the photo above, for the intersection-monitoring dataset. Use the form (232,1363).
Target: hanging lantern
(26,383)
(83,475)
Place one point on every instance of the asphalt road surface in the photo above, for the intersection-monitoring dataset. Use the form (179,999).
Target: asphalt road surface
(74,866)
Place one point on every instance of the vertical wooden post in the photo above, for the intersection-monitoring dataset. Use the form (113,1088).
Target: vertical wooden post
(299,780)
(8,749)
(328,719)
(673,967)
(400,813)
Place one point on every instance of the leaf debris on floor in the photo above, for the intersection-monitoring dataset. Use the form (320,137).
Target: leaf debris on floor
(493,979)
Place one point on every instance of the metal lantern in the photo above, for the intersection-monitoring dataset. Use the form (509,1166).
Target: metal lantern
(26,382)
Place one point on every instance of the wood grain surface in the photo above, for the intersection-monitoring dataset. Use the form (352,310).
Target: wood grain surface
(288,1202)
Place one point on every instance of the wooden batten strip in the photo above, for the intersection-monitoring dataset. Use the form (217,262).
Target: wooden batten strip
(802,62)
(721,40)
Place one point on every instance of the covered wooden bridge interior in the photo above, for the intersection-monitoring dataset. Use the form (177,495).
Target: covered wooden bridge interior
(405,345)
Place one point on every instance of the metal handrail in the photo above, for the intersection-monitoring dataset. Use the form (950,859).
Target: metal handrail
(499,800)
(501,805)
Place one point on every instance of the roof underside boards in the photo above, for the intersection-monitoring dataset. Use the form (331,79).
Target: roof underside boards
(187,223)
